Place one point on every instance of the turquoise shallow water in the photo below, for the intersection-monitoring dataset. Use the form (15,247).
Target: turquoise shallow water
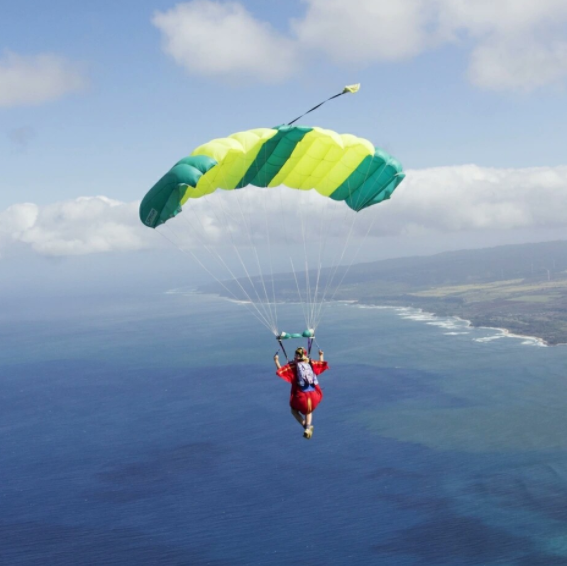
(152,430)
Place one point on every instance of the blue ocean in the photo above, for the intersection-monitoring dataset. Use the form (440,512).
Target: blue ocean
(152,430)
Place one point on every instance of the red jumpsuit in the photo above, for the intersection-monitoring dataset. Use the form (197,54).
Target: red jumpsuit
(303,401)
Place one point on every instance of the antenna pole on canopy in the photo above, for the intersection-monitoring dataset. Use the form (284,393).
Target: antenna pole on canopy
(346,89)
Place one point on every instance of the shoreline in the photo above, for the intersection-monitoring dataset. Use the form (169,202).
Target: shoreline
(506,332)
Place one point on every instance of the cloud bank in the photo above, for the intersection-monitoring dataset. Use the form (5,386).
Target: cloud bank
(30,80)
(82,226)
(513,44)
(444,200)
(468,197)
(213,38)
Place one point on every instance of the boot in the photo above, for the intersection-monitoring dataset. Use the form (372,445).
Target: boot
(308,432)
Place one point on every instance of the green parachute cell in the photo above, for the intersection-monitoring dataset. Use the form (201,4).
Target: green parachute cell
(342,167)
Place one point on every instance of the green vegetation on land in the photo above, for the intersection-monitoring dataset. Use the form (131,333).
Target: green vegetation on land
(522,288)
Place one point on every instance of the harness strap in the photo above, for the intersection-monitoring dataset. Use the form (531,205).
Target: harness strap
(309,346)
(283,350)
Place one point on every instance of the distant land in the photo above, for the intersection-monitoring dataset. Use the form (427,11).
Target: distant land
(522,288)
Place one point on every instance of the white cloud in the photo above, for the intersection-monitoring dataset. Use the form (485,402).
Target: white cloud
(214,38)
(505,17)
(517,64)
(515,44)
(82,226)
(466,198)
(364,31)
(18,218)
(445,200)
(29,80)
(519,44)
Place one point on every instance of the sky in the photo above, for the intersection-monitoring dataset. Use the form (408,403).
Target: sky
(98,100)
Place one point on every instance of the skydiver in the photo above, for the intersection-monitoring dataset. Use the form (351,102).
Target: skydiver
(305,394)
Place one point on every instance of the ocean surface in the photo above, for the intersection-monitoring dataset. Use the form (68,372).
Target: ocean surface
(152,430)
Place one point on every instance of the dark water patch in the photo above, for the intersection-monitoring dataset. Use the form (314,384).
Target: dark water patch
(378,386)
(430,505)
(123,496)
(391,482)
(452,539)
(394,474)
(158,474)
(538,489)
(443,536)
(33,544)
(195,457)
(57,371)
(541,560)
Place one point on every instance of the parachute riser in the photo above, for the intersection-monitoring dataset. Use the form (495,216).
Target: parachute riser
(283,350)
(309,346)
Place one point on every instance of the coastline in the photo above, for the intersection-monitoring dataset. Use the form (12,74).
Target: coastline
(506,332)
(470,322)
(490,288)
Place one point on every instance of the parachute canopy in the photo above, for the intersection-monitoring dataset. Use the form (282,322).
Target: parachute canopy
(342,167)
